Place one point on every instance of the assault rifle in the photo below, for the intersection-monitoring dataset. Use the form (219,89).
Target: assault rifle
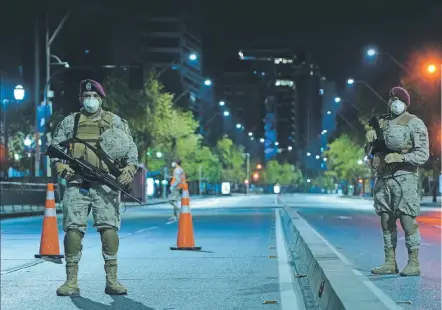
(378,145)
(89,172)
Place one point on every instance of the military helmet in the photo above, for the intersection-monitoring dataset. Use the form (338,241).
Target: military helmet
(115,143)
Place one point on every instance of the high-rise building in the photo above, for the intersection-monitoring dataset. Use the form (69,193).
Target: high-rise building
(277,69)
(170,37)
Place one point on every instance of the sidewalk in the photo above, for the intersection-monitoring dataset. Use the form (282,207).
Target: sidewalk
(14,211)
(427,201)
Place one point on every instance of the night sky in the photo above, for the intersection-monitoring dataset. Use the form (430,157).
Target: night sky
(334,33)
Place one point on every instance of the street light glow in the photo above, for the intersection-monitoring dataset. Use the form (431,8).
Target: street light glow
(222,103)
(193,56)
(317,156)
(289,148)
(19,92)
(261,140)
(431,68)
(324,159)
(226,113)
(308,154)
(371,52)
(350,81)
(337,99)
(238,126)
(250,134)
(27,141)
(276,143)
(159,154)
(360,162)
(328,112)
(308,181)
(207,82)
(241,55)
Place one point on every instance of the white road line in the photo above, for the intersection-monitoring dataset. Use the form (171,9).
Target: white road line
(387,301)
(289,298)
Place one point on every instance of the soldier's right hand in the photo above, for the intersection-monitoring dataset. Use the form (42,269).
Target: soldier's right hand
(64,171)
(370,136)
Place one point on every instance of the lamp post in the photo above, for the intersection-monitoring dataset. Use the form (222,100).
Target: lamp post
(19,94)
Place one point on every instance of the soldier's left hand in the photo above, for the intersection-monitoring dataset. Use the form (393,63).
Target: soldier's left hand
(127,175)
(394,158)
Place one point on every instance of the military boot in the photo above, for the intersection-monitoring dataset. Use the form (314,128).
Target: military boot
(390,265)
(113,287)
(412,268)
(70,287)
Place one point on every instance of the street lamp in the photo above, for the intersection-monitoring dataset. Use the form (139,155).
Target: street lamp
(159,154)
(350,81)
(328,112)
(317,156)
(431,68)
(193,57)
(27,142)
(226,113)
(360,162)
(308,153)
(238,126)
(19,92)
(289,148)
(250,134)
(207,82)
(371,52)
(221,103)
(337,99)
(276,143)
(261,140)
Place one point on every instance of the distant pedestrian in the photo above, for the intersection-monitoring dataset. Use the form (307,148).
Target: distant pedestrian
(178,179)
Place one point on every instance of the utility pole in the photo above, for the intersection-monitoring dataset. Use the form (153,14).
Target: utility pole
(37,93)
(248,172)
(199,177)
(48,42)
(165,182)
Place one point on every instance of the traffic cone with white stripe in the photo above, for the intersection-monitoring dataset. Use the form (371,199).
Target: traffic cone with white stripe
(185,239)
(49,245)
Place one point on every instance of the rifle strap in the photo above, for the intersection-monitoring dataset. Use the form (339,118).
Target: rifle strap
(76,121)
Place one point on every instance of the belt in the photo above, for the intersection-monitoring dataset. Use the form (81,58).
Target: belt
(403,167)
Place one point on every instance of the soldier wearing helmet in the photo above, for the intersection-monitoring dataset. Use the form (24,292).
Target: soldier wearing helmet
(396,187)
(110,134)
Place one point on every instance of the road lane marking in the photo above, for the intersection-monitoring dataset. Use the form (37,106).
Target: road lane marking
(342,217)
(387,301)
(289,298)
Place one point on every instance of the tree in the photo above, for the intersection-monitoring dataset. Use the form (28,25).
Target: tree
(344,159)
(232,160)
(325,181)
(284,174)
(155,123)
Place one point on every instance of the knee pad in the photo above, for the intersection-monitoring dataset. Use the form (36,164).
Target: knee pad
(72,242)
(109,241)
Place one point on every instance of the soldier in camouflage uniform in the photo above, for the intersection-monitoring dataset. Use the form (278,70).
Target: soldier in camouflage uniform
(108,132)
(396,188)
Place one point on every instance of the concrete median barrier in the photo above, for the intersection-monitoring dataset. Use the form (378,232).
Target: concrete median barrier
(334,283)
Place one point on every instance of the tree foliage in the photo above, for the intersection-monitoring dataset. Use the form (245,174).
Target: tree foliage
(344,159)
(284,174)
(232,160)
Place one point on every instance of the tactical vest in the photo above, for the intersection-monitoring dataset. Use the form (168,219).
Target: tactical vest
(89,130)
(403,121)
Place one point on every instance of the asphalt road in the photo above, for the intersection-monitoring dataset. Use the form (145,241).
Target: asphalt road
(237,268)
(353,229)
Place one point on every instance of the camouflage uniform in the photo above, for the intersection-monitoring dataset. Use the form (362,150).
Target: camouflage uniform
(396,188)
(100,199)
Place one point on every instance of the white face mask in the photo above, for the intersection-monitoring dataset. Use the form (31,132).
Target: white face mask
(173,164)
(397,107)
(91,105)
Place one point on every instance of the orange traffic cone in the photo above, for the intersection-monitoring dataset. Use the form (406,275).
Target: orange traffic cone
(185,240)
(49,246)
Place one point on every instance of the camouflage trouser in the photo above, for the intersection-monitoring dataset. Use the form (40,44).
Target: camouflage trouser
(174,198)
(397,196)
(103,202)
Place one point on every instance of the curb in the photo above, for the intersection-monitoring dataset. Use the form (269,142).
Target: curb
(334,283)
